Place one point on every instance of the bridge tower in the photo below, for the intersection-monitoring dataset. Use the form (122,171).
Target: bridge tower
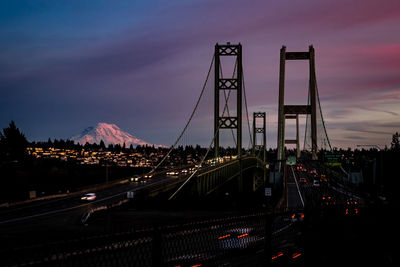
(235,83)
(259,130)
(260,181)
(297,140)
(295,110)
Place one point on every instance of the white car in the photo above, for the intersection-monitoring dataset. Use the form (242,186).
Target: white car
(316,183)
(89,197)
(173,173)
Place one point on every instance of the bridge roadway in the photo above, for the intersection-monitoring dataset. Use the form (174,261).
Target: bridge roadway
(285,232)
(56,219)
(72,204)
(294,197)
(107,194)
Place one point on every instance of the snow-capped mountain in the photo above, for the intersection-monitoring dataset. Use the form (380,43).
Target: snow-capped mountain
(109,133)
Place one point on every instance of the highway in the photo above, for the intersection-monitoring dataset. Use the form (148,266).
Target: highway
(104,196)
(48,221)
(55,231)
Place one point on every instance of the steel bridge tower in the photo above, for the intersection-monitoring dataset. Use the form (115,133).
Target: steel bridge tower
(260,181)
(259,130)
(292,111)
(235,83)
(297,140)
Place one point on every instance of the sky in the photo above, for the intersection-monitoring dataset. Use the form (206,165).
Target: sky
(69,64)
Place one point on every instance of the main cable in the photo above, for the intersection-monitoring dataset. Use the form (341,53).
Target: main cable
(208,151)
(247,112)
(190,118)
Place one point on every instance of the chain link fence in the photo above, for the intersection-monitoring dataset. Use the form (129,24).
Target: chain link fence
(228,241)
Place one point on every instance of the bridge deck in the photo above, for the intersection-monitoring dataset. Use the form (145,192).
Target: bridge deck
(295,199)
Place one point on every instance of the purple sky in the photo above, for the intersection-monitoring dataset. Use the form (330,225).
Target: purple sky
(66,65)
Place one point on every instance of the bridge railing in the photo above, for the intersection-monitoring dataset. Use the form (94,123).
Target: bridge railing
(210,178)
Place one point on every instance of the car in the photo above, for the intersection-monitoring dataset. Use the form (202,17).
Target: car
(351,202)
(351,211)
(147,176)
(316,183)
(351,207)
(135,178)
(89,197)
(302,180)
(173,173)
(297,217)
(328,200)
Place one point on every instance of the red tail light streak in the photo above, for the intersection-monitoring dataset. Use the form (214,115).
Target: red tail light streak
(277,255)
(240,236)
(296,255)
(224,236)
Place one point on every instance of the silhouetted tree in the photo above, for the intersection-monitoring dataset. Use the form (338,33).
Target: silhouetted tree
(102,145)
(87,146)
(12,143)
(395,145)
(117,148)
(110,147)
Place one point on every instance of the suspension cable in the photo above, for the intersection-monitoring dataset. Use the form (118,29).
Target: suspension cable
(322,117)
(307,118)
(320,111)
(247,112)
(190,118)
(208,151)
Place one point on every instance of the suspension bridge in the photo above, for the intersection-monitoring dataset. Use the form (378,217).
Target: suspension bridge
(243,173)
(249,170)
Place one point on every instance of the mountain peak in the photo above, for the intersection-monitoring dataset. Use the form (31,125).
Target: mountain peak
(109,133)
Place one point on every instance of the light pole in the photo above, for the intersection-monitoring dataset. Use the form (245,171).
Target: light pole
(380,185)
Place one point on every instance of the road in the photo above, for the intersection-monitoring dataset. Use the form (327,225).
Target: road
(198,243)
(48,221)
(72,203)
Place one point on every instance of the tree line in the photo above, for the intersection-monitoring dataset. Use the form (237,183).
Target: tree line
(13,144)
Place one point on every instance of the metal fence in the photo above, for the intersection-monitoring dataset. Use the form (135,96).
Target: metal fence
(225,241)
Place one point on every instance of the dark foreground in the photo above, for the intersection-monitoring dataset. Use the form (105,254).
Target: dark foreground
(200,238)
